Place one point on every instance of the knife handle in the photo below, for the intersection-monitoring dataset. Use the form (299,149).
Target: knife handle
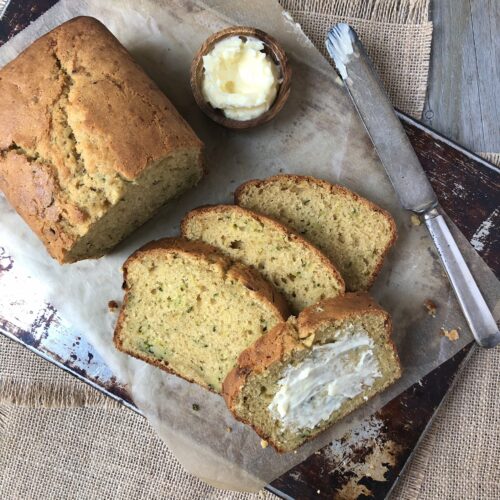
(476,311)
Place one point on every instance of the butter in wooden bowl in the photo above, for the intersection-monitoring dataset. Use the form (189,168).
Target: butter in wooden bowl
(240,77)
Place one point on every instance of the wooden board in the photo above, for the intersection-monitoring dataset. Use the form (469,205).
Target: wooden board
(463,100)
(367,461)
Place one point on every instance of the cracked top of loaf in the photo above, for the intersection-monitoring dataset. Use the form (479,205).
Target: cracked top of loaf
(80,121)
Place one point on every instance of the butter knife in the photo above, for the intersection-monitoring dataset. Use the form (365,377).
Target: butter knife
(406,174)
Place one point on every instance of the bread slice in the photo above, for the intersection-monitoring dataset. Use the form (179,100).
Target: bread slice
(309,372)
(352,231)
(190,311)
(298,270)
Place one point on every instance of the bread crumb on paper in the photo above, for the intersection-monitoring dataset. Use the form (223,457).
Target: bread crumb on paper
(264,443)
(113,305)
(431,307)
(452,334)
(228,429)
(415,220)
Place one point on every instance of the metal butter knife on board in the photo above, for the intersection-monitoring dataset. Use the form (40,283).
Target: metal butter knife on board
(406,174)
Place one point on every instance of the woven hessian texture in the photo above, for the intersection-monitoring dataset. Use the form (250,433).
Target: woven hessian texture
(91,453)
(59,438)
(397,36)
(28,380)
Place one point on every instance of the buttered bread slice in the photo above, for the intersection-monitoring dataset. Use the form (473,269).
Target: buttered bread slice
(311,371)
(352,231)
(298,270)
(191,311)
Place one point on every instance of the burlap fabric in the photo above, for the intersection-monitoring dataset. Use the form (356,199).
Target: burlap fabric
(61,439)
(397,35)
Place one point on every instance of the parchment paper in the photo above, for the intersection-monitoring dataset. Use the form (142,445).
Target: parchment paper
(317,133)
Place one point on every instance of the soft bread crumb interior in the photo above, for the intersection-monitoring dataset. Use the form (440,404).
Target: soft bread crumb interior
(298,272)
(351,233)
(137,201)
(189,315)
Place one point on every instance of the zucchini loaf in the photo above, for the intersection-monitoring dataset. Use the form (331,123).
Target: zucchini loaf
(191,311)
(298,270)
(309,372)
(90,147)
(352,231)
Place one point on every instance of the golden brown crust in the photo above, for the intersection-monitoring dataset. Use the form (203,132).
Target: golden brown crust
(269,221)
(265,351)
(115,117)
(354,303)
(343,307)
(285,338)
(333,189)
(31,193)
(173,244)
(252,280)
(249,278)
(111,92)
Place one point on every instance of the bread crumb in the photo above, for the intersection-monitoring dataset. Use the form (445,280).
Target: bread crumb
(431,307)
(452,335)
(264,443)
(295,452)
(113,305)
(196,407)
(228,429)
(415,220)
(308,342)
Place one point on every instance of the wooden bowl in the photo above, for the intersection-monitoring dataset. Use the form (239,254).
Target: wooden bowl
(271,48)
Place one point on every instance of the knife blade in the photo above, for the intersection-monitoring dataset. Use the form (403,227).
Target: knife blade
(406,174)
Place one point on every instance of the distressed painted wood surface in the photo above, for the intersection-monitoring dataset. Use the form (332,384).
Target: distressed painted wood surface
(368,461)
(468,193)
